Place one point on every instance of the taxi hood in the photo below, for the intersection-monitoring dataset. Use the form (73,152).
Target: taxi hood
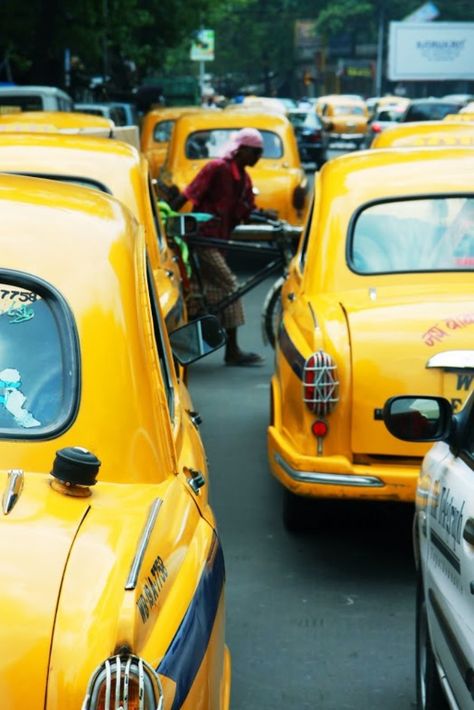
(35,542)
(393,338)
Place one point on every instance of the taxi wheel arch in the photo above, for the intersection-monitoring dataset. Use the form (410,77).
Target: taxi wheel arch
(429,691)
(272,312)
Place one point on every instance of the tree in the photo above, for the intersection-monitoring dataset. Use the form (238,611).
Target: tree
(35,35)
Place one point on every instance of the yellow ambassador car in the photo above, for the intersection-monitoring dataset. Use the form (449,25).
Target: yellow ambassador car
(278,177)
(426,134)
(344,118)
(155,134)
(379,301)
(109,166)
(112,590)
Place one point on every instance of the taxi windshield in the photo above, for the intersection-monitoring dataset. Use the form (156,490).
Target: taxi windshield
(413,235)
(210,144)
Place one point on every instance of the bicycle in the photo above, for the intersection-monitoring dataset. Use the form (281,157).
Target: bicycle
(275,238)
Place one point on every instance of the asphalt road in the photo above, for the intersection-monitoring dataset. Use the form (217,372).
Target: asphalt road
(320,620)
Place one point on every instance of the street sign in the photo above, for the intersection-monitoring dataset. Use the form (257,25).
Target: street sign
(202,47)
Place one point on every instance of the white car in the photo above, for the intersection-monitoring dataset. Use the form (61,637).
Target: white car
(35,98)
(443,542)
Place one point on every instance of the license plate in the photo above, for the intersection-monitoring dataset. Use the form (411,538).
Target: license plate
(457,386)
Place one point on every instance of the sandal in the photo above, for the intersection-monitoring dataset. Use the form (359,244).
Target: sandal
(245,360)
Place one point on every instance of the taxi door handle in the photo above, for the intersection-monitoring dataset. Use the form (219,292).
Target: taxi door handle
(468,532)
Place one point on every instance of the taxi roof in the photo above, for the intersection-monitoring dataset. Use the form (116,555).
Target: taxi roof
(426,133)
(52,121)
(169,112)
(101,160)
(350,182)
(237,118)
(58,224)
(376,174)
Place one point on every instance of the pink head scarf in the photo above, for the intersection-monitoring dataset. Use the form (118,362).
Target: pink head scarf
(246,136)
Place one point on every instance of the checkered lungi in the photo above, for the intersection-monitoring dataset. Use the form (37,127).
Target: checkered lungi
(218,282)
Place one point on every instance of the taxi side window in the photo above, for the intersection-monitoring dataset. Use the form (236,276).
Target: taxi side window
(162,131)
(272,145)
(38,360)
(166,366)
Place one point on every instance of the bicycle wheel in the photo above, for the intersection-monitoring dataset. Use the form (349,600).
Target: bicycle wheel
(272,312)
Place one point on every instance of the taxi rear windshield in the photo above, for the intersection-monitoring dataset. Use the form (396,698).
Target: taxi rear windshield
(348,110)
(425,234)
(210,144)
(38,360)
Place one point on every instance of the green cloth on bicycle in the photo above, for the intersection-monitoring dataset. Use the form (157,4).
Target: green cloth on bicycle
(165,212)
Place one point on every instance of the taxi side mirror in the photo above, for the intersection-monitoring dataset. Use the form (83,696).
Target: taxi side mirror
(197,339)
(181,225)
(418,418)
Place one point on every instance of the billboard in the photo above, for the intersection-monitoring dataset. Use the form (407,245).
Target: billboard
(428,51)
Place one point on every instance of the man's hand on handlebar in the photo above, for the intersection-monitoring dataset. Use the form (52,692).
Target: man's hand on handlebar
(263,216)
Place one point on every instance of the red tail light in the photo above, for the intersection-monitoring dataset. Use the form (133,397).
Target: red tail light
(320,384)
(314,137)
(319,428)
(376,127)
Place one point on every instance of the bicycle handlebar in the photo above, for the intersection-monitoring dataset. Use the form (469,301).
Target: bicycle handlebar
(269,230)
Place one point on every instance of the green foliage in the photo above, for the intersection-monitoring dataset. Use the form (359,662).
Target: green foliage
(35,35)
(338,16)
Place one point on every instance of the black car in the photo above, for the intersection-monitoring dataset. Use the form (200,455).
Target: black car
(431,109)
(310,136)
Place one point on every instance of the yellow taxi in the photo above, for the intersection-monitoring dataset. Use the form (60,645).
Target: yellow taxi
(426,134)
(112,570)
(344,118)
(379,301)
(279,180)
(461,116)
(156,129)
(109,166)
(54,121)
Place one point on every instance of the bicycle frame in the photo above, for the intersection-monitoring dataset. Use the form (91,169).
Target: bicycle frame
(279,248)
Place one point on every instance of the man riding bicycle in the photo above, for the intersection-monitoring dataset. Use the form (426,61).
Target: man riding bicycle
(223,188)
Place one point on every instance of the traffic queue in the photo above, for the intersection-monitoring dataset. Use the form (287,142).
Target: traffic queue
(105,473)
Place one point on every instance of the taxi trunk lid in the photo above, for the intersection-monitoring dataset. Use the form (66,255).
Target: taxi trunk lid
(35,541)
(394,341)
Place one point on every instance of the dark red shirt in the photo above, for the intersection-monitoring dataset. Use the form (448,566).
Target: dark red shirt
(223,190)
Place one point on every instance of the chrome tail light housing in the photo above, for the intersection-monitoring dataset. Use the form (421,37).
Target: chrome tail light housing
(124,683)
(320,383)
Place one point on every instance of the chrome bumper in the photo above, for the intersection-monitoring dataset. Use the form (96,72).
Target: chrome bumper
(331,479)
